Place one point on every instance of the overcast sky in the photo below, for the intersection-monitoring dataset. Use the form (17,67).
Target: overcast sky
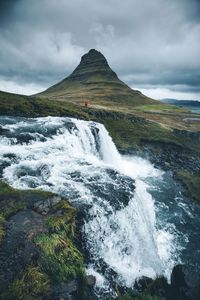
(153,45)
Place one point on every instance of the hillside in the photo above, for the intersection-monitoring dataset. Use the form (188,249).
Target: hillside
(93,79)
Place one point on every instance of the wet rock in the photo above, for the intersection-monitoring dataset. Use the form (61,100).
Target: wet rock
(91,280)
(18,249)
(185,283)
(3,130)
(142,283)
(65,290)
(72,290)
(44,206)
(156,287)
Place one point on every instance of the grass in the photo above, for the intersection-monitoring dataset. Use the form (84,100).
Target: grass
(191,183)
(30,285)
(61,259)
(128,134)
(13,200)
(6,191)
(19,105)
(161,108)
(64,224)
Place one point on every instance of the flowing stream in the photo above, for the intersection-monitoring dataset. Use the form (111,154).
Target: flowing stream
(135,218)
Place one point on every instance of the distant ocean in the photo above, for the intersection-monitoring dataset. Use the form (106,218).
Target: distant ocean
(192,105)
(193,109)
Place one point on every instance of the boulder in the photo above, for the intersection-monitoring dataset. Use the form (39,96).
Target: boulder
(91,280)
(44,206)
(185,283)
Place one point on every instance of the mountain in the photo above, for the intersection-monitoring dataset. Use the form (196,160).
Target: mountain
(93,79)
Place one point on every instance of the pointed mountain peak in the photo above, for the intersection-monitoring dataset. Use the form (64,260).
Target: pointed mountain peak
(93,55)
(93,79)
(93,62)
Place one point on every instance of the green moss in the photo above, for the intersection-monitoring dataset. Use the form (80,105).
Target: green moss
(32,284)
(61,259)
(191,183)
(9,193)
(19,105)
(5,189)
(64,223)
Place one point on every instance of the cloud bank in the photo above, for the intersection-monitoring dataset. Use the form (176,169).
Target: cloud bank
(152,45)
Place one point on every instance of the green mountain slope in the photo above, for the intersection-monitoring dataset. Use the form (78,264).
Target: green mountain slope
(94,80)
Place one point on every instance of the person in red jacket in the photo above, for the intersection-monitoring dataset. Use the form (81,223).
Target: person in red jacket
(86,102)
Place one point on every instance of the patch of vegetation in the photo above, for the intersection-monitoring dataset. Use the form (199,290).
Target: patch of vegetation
(161,107)
(131,295)
(128,134)
(8,207)
(9,193)
(13,201)
(19,105)
(191,183)
(64,224)
(30,285)
(61,259)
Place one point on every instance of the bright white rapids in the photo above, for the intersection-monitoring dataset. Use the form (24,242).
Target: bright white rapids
(78,159)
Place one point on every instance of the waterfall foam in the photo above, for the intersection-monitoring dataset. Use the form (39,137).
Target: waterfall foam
(78,160)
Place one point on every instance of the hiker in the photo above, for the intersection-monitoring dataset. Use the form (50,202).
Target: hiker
(86,102)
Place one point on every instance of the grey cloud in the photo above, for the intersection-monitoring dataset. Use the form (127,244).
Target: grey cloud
(153,43)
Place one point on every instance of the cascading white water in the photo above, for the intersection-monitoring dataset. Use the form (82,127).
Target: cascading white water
(78,160)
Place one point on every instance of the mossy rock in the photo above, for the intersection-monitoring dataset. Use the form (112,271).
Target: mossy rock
(61,259)
(191,183)
(30,285)
(63,223)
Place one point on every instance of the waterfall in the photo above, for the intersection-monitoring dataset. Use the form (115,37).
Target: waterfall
(78,160)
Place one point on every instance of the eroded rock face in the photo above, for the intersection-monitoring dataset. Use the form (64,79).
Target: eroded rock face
(18,249)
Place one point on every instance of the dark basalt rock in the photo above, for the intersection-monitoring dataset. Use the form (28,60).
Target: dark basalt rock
(187,134)
(65,290)
(185,283)
(18,249)
(44,206)
(91,280)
